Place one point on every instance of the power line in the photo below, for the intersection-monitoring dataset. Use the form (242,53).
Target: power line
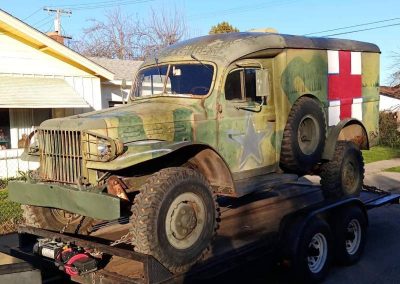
(24,19)
(241,9)
(368,29)
(103,4)
(91,3)
(44,24)
(353,26)
(40,21)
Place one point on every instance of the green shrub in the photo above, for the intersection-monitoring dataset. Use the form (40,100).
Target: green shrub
(9,210)
(389,135)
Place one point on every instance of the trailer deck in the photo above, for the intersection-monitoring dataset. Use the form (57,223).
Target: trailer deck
(249,229)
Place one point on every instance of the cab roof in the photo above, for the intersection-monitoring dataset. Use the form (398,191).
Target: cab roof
(226,48)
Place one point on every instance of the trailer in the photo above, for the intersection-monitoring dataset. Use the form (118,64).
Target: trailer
(291,224)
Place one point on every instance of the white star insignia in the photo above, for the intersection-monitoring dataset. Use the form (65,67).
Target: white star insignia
(250,143)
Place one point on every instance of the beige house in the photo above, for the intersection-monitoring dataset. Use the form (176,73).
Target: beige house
(41,78)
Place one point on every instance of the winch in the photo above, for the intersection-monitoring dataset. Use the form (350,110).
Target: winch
(71,259)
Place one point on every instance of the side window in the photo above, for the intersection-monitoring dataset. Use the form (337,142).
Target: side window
(241,85)
(233,86)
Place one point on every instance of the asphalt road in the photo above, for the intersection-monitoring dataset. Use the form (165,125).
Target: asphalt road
(380,262)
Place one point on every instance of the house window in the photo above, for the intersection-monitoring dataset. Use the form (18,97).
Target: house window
(4,129)
(241,85)
(22,122)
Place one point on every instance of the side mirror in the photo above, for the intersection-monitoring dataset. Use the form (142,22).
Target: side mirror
(262,83)
(123,84)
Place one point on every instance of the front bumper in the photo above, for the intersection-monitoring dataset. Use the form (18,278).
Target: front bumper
(92,204)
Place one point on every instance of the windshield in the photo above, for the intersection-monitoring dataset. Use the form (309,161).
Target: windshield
(174,79)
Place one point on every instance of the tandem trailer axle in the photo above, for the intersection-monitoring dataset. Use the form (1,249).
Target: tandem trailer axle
(286,224)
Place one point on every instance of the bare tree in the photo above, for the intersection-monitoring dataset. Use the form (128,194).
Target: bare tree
(113,38)
(164,27)
(395,76)
(121,36)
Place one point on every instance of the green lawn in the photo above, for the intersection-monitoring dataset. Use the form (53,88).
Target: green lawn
(394,169)
(379,153)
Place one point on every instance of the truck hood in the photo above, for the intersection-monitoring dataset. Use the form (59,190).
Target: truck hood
(168,119)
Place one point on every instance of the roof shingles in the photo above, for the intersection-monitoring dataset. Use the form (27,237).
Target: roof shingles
(123,69)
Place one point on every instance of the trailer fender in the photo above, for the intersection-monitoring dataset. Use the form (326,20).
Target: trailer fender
(349,129)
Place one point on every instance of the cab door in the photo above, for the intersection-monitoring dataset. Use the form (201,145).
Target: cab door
(247,122)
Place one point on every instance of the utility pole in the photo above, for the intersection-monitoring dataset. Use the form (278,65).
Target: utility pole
(57,20)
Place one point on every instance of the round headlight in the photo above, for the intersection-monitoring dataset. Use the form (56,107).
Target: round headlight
(103,149)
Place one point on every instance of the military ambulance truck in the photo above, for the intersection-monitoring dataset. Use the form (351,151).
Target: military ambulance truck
(215,116)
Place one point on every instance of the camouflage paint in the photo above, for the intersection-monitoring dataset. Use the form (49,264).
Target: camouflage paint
(370,93)
(305,73)
(156,126)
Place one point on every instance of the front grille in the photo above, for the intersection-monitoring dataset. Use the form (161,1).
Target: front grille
(60,155)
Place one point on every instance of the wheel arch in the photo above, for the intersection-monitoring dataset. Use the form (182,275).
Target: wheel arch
(200,157)
(349,129)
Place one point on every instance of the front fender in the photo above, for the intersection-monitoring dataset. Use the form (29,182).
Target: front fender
(138,152)
(349,129)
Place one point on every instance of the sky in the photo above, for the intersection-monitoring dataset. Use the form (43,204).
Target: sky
(298,17)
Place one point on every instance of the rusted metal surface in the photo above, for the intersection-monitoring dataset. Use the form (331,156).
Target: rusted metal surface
(60,155)
(115,186)
(118,270)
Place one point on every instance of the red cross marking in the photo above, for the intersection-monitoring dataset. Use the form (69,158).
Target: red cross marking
(344,86)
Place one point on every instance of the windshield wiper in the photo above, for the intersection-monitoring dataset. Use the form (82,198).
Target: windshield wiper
(158,67)
(198,60)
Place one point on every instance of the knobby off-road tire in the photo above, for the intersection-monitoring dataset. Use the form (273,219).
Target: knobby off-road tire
(175,217)
(55,220)
(303,137)
(344,174)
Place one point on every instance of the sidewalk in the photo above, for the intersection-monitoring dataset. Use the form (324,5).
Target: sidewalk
(374,175)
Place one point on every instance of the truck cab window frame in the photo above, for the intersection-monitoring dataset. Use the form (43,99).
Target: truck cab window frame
(240,85)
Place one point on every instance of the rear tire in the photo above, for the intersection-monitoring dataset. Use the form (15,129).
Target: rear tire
(344,174)
(175,217)
(350,231)
(56,219)
(310,254)
(303,137)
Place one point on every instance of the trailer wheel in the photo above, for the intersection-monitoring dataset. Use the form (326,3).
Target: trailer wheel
(174,218)
(303,137)
(56,219)
(310,253)
(350,231)
(344,174)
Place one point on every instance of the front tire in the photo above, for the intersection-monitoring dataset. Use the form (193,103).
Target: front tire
(174,218)
(55,220)
(344,174)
